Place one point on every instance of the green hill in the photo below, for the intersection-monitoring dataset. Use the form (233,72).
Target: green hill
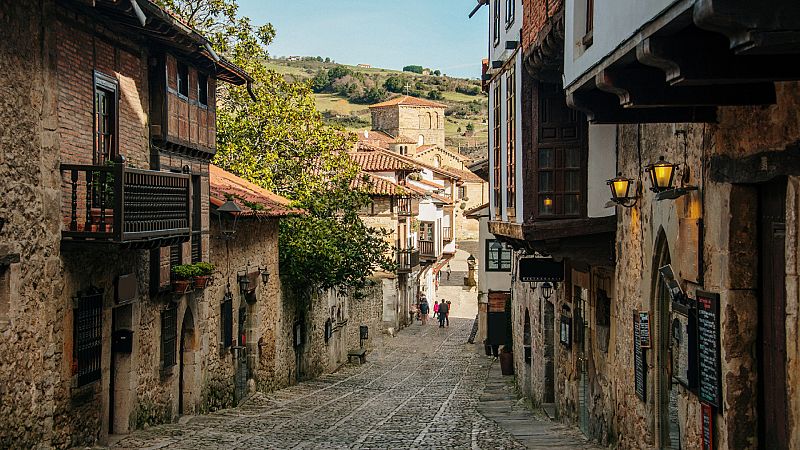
(344,93)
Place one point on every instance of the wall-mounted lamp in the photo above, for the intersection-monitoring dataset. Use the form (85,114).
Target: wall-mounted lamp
(621,191)
(243,280)
(662,175)
(264,274)
(547,290)
(547,204)
(228,214)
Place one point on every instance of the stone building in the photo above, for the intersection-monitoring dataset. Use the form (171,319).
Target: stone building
(675,326)
(414,117)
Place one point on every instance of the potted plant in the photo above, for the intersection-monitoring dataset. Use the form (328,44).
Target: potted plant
(182,278)
(204,273)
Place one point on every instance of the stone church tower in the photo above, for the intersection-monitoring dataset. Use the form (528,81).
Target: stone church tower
(412,117)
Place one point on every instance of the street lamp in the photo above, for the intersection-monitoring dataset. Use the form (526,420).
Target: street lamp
(662,175)
(264,274)
(471,262)
(243,280)
(547,290)
(620,191)
(228,214)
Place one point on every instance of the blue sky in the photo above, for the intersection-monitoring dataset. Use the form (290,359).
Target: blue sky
(384,33)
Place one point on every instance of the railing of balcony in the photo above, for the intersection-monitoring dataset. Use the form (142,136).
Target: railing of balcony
(118,204)
(447,233)
(427,248)
(407,260)
(404,206)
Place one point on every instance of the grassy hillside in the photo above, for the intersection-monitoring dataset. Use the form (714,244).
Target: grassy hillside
(340,102)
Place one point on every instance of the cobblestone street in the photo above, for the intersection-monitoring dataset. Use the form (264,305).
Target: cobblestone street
(420,389)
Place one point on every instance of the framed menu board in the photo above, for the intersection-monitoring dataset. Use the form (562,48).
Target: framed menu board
(639,363)
(644,329)
(709,387)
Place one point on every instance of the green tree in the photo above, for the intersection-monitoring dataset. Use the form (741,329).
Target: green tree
(280,142)
(321,81)
(334,73)
(470,127)
(395,84)
(415,69)
(435,95)
(437,72)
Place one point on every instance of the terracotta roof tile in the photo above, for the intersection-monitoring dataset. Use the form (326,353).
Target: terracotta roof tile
(407,100)
(375,185)
(226,185)
(380,160)
(473,211)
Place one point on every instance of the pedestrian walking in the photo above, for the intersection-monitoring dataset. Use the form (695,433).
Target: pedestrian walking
(423,310)
(443,311)
(447,314)
(448,271)
(436,309)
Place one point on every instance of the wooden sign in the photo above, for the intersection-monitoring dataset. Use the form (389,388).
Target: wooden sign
(644,329)
(707,424)
(639,363)
(710,389)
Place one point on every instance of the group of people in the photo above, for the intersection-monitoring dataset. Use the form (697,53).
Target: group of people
(441,311)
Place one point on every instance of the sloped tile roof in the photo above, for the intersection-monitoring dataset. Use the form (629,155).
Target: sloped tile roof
(407,100)
(375,185)
(225,185)
(380,160)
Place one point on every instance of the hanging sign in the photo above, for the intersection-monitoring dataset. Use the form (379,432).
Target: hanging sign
(539,270)
(707,424)
(644,329)
(673,287)
(708,348)
(683,346)
(639,363)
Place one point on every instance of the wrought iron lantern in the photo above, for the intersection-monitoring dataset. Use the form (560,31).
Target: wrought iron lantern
(243,280)
(547,290)
(471,261)
(621,191)
(264,274)
(228,214)
(662,175)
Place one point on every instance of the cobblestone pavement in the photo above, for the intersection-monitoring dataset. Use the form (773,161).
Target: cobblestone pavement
(421,391)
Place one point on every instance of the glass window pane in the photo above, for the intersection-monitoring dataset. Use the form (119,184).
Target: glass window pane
(572,181)
(545,158)
(572,204)
(545,181)
(572,157)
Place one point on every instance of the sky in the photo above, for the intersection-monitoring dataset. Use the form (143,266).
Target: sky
(383,33)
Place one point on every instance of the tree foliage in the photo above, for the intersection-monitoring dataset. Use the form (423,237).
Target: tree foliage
(413,68)
(280,142)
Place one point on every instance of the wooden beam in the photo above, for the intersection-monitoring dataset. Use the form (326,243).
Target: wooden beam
(540,230)
(639,86)
(757,168)
(753,28)
(602,107)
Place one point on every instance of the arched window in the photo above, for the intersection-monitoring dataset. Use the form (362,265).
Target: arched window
(421,140)
(437,161)
(438,120)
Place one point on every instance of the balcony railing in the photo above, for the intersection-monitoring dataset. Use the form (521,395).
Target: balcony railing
(447,234)
(118,204)
(427,249)
(404,206)
(407,260)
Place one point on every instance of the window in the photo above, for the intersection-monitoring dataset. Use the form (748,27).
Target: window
(496,21)
(559,174)
(175,255)
(197,220)
(183,79)
(226,321)
(510,4)
(496,149)
(462,193)
(589,16)
(105,118)
(202,89)
(169,336)
(87,336)
(426,231)
(437,161)
(498,256)
(511,133)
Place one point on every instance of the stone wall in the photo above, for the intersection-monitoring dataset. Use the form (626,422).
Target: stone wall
(411,121)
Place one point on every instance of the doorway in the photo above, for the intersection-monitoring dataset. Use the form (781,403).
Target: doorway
(242,372)
(666,393)
(581,296)
(187,365)
(526,344)
(549,353)
(772,401)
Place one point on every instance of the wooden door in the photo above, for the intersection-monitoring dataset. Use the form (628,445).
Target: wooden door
(772,405)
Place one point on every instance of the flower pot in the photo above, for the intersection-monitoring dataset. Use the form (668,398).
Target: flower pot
(181,286)
(507,363)
(201,281)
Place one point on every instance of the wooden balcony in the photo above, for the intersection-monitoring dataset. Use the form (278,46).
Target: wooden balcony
(404,206)
(427,249)
(447,234)
(120,205)
(407,260)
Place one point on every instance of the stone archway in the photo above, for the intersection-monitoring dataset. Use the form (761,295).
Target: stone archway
(187,382)
(665,397)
